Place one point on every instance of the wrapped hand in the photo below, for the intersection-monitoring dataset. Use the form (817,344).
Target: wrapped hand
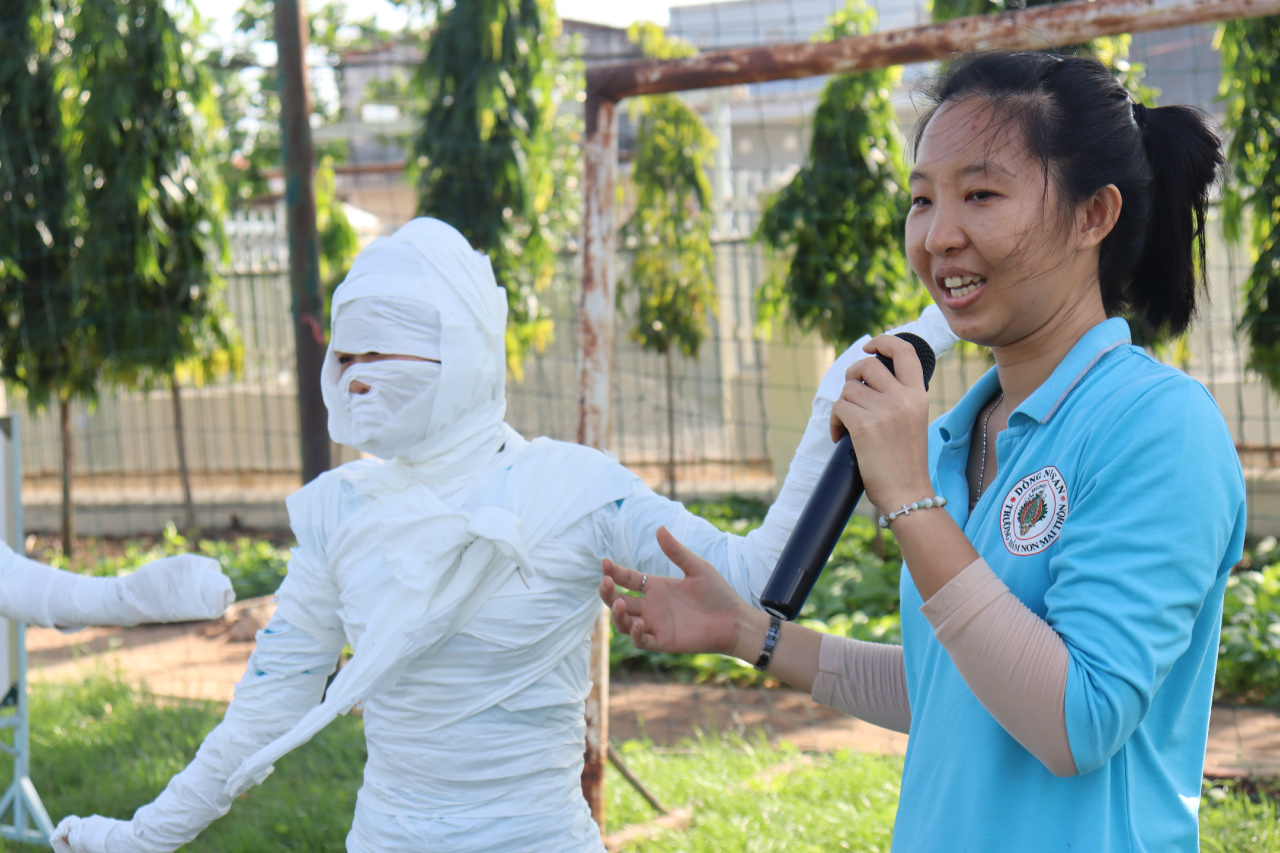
(182,588)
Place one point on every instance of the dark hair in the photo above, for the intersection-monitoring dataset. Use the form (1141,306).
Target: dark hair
(1083,126)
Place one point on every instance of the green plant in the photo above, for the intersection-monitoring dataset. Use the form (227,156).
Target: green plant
(482,157)
(1234,818)
(255,566)
(669,233)
(837,226)
(1249,653)
(1251,202)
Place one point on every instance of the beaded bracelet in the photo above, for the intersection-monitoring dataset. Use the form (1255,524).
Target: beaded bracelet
(927,503)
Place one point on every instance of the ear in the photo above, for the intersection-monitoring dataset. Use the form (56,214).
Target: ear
(1098,216)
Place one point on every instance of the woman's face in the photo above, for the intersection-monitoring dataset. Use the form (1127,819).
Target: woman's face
(346,359)
(983,236)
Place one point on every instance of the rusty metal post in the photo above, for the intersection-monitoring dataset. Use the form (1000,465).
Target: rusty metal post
(595,377)
(304,244)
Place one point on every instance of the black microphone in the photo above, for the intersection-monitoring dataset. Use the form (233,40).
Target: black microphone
(825,514)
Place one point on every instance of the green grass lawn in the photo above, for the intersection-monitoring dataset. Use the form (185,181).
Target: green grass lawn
(102,747)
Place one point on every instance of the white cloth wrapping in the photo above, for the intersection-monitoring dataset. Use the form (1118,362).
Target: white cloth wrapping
(468,602)
(173,589)
(427,273)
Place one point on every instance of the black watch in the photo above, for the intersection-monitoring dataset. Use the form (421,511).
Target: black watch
(770,640)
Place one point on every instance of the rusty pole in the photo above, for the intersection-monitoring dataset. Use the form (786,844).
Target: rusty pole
(1023,29)
(304,244)
(595,375)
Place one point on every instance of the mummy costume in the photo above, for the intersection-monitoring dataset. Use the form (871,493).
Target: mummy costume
(461,566)
(172,589)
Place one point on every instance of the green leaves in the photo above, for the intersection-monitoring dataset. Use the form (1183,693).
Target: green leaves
(838,225)
(672,270)
(484,157)
(41,351)
(1251,202)
(1249,652)
(103,161)
(153,212)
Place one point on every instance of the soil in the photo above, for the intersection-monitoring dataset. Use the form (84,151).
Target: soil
(204,660)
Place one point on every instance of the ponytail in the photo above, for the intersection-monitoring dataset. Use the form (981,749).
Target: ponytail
(1086,131)
(1184,154)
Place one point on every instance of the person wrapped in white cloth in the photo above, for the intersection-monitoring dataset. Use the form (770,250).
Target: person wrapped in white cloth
(461,565)
(182,588)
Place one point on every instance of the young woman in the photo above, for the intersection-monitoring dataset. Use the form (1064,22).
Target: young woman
(461,565)
(1069,527)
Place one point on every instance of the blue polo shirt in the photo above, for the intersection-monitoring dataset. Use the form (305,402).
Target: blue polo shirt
(1116,515)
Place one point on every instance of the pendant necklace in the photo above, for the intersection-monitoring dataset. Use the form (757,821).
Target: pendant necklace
(982,471)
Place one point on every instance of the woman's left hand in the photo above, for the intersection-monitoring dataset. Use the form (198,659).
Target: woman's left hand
(887,417)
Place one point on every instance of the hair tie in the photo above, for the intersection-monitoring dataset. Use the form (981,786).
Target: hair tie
(1140,115)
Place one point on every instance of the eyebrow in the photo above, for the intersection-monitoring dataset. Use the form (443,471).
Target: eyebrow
(984,168)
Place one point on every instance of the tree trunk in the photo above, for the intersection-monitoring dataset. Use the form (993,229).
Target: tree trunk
(184,472)
(68,515)
(671,425)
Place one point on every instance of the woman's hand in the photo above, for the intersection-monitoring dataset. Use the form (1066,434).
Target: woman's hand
(887,417)
(700,613)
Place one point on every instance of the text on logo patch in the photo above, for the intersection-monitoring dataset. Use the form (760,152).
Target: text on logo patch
(1033,511)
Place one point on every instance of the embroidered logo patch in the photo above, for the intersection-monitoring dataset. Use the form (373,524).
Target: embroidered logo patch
(1032,514)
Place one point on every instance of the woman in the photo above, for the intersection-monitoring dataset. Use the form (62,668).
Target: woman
(461,566)
(1064,578)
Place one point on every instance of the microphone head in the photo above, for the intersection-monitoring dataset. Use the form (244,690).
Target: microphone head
(924,352)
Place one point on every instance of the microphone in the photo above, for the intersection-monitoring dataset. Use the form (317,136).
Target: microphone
(825,514)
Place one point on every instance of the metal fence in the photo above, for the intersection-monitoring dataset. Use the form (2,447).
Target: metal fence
(739,406)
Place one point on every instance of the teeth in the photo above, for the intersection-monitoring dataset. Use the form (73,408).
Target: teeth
(962,285)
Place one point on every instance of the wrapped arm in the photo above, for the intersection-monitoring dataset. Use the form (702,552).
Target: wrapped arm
(284,679)
(748,562)
(172,589)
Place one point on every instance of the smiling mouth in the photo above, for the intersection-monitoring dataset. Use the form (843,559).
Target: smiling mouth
(962,285)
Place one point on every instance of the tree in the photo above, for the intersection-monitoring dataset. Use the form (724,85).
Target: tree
(1112,51)
(483,156)
(47,353)
(153,208)
(672,269)
(840,221)
(249,106)
(339,243)
(1251,202)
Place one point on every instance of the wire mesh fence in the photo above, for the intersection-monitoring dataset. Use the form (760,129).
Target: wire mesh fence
(241,431)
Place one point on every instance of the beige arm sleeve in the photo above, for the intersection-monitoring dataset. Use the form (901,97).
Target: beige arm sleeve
(1012,660)
(865,680)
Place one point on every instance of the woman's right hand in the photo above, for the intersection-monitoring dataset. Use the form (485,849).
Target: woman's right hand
(700,613)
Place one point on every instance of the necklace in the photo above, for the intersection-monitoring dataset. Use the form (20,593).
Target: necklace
(982,470)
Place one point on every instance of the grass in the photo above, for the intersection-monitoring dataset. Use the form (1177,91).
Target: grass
(103,747)
(750,796)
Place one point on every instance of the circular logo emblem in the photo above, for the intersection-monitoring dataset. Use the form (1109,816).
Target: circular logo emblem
(1032,514)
